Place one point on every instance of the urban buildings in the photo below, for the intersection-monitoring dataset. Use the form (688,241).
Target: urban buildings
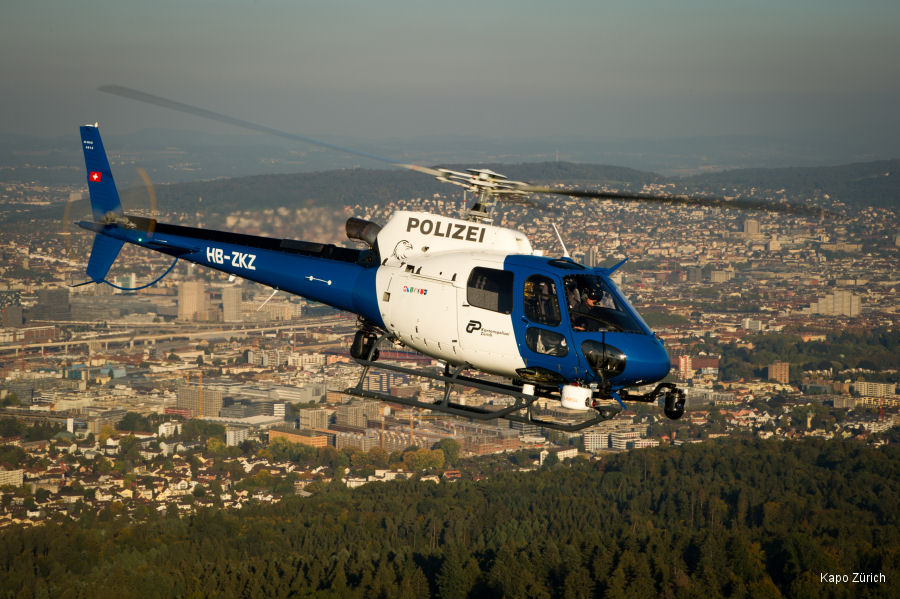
(199,401)
(779,371)
(231,304)
(192,301)
(839,303)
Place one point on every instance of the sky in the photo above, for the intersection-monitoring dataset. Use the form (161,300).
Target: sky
(820,70)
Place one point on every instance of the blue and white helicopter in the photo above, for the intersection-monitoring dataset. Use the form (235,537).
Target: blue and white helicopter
(474,296)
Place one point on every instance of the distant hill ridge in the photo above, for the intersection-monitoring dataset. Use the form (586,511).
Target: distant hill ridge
(858,185)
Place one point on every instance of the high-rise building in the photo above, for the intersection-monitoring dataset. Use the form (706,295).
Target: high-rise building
(192,300)
(839,303)
(231,304)
(12,316)
(595,440)
(719,276)
(12,478)
(199,400)
(593,257)
(127,280)
(868,389)
(167,429)
(751,227)
(53,304)
(525,428)
(351,415)
(313,418)
(236,436)
(619,440)
(685,367)
(752,324)
(780,371)
(373,410)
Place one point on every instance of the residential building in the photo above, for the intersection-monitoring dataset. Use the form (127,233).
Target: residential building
(779,371)
(236,436)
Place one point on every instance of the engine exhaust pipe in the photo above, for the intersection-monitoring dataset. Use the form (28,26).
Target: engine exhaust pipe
(362,230)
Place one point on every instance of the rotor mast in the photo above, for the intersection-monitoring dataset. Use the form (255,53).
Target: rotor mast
(487,187)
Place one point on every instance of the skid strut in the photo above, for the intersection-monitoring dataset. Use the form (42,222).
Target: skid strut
(521,410)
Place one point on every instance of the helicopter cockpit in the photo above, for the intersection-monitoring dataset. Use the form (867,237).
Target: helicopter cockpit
(595,307)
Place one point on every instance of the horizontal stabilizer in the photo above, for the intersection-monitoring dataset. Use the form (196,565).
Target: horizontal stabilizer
(103,254)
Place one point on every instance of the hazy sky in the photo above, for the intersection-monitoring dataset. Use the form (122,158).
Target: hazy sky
(822,69)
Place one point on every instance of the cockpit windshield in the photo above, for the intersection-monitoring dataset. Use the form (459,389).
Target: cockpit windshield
(594,306)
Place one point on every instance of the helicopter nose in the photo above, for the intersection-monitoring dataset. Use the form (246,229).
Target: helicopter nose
(627,358)
(648,360)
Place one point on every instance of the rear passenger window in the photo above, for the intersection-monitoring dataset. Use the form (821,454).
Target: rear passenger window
(490,289)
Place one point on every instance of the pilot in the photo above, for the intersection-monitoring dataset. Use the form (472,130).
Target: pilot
(590,300)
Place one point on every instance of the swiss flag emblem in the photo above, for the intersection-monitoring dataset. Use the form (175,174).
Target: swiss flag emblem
(95,177)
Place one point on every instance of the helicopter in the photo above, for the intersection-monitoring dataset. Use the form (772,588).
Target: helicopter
(478,298)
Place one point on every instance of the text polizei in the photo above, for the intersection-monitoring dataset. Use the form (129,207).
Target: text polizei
(439,228)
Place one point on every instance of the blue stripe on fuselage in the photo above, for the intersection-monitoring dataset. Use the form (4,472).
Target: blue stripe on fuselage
(343,285)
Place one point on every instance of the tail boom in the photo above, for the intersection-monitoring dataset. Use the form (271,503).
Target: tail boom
(340,277)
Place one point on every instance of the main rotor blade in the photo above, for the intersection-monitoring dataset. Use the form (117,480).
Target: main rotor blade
(500,186)
(682,200)
(133,94)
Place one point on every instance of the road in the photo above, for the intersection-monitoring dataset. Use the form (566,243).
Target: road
(151,339)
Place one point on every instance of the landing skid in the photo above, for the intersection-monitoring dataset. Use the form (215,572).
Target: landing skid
(520,411)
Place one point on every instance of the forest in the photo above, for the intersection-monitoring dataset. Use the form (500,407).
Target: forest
(727,518)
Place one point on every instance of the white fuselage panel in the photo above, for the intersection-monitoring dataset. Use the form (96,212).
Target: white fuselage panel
(422,294)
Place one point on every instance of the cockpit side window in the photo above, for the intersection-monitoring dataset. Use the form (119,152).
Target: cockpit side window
(594,307)
(541,303)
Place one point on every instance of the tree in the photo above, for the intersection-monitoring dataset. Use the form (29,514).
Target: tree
(451,449)
(378,457)
(452,579)
(134,422)
(106,431)
(215,446)
(9,427)
(423,459)
(551,460)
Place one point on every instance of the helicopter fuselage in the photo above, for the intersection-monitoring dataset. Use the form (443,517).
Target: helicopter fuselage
(467,293)
(485,298)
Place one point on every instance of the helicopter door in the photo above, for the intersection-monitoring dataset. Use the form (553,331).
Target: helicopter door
(486,331)
(547,348)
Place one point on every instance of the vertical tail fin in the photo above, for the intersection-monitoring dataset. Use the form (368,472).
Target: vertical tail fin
(104,202)
(102,186)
